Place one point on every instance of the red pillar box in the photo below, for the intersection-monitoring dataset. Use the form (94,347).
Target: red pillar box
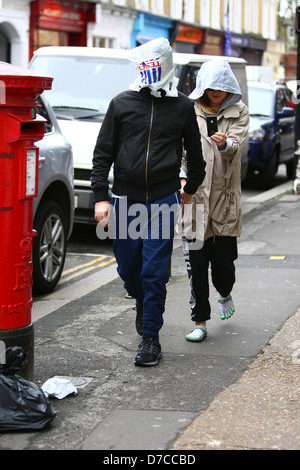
(19,129)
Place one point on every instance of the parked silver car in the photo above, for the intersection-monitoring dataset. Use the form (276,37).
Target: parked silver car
(54,206)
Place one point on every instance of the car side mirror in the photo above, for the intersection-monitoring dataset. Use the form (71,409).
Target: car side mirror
(286,112)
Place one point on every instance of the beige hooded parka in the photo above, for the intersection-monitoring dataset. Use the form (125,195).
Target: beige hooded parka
(221,190)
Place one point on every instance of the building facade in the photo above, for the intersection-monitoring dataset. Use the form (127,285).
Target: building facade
(14,31)
(240,28)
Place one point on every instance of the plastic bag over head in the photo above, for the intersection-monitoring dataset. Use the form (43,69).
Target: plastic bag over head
(154,62)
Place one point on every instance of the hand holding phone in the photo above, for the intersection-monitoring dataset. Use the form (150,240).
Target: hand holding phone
(212,125)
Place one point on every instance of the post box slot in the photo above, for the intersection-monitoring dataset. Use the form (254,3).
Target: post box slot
(26,127)
(31,128)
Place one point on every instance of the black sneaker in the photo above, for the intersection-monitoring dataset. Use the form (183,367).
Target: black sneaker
(139,318)
(149,353)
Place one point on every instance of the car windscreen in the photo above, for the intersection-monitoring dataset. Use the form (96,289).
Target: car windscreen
(261,101)
(84,82)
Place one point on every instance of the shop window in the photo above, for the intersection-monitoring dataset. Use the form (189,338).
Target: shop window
(103,42)
(51,38)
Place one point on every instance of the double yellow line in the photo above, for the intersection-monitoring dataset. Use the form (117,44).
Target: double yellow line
(80,269)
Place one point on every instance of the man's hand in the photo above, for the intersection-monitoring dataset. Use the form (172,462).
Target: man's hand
(185,197)
(102,212)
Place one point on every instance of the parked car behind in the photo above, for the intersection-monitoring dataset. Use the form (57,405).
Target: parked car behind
(85,80)
(54,207)
(271,131)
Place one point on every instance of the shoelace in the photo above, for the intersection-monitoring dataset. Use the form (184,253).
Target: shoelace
(148,346)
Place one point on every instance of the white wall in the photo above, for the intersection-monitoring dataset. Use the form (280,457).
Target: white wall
(14,23)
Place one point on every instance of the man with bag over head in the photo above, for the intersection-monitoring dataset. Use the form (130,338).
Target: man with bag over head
(143,135)
(218,101)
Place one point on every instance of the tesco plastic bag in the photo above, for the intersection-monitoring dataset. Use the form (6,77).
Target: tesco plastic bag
(154,63)
(23,405)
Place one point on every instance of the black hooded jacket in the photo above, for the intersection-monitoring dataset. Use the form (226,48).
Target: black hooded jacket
(144,137)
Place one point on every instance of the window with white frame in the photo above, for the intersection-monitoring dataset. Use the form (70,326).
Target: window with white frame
(215,14)
(103,42)
(205,12)
(248,16)
(255,16)
(265,19)
(272,31)
(121,3)
(176,9)
(237,16)
(142,5)
(189,11)
(157,7)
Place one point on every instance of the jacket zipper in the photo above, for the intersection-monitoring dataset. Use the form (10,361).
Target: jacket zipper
(148,149)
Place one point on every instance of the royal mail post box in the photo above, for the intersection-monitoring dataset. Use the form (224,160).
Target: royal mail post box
(19,130)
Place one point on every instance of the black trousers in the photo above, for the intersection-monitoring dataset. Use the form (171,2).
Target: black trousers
(220,253)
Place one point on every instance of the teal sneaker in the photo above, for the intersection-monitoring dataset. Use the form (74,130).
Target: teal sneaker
(226,308)
(197,335)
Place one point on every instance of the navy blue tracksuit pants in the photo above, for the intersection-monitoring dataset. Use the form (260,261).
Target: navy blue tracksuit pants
(143,247)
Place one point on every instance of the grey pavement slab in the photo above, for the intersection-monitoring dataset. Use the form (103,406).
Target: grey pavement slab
(243,369)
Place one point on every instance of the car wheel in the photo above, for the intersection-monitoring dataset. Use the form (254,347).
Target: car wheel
(49,247)
(266,177)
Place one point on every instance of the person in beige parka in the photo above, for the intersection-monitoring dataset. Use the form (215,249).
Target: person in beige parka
(217,93)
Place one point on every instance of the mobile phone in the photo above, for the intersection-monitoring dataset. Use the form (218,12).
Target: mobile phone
(212,125)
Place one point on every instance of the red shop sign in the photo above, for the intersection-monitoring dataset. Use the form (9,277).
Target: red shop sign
(188,34)
(68,15)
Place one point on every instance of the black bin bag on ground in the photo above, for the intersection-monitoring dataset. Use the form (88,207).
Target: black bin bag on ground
(23,405)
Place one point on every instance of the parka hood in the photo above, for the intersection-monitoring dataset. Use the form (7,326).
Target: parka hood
(217,74)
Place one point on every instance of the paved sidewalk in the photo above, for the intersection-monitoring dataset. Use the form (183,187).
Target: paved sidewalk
(262,409)
(239,389)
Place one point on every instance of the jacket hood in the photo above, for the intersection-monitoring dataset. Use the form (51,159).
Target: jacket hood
(217,74)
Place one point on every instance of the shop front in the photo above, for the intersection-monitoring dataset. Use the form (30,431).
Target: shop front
(212,43)
(147,27)
(238,45)
(187,39)
(54,23)
(254,52)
